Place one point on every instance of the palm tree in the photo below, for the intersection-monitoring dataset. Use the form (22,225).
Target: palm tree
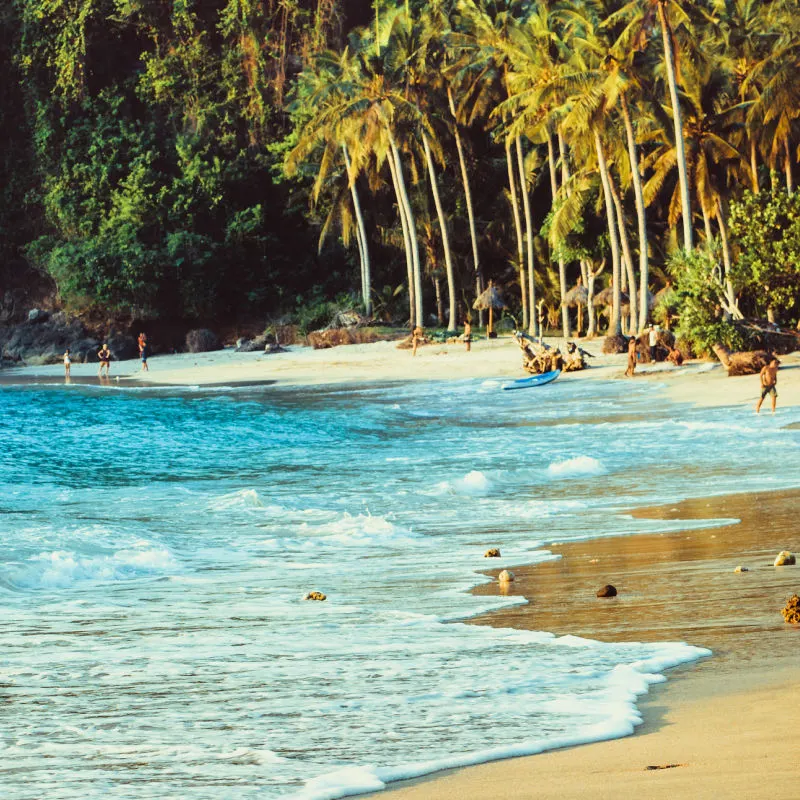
(642,14)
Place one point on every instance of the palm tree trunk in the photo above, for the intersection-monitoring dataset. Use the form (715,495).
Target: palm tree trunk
(366,278)
(562,152)
(412,313)
(526,205)
(451,281)
(626,253)
(518,226)
(754,165)
(680,148)
(562,267)
(707,225)
(412,231)
(788,167)
(733,305)
(638,193)
(473,234)
(615,325)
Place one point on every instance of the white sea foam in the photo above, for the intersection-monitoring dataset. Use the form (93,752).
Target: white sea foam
(614,709)
(244,498)
(60,569)
(580,466)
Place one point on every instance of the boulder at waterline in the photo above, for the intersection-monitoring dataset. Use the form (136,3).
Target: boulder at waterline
(492,552)
(784,559)
(506,576)
(791,612)
(315,596)
(607,591)
(741,569)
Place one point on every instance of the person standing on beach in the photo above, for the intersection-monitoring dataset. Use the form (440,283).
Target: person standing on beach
(769,380)
(631,357)
(468,334)
(142,341)
(67,363)
(652,341)
(104,354)
(416,338)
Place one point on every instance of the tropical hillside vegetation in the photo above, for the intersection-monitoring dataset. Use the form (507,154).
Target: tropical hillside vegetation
(222,158)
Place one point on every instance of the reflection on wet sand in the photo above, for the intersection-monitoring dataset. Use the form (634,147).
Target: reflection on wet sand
(674,586)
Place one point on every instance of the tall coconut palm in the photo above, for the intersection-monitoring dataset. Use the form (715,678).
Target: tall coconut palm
(642,14)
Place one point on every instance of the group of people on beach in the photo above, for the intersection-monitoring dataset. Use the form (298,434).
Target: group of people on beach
(104,357)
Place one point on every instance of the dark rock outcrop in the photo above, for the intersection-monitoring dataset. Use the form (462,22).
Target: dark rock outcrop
(202,340)
(44,339)
(252,345)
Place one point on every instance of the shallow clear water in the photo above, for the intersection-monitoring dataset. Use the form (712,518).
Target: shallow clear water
(155,546)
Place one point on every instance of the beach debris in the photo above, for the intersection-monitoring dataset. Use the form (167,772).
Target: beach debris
(315,596)
(791,613)
(664,766)
(749,362)
(506,576)
(607,591)
(784,559)
(492,552)
(334,337)
(740,568)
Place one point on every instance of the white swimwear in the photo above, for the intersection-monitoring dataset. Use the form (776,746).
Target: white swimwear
(67,362)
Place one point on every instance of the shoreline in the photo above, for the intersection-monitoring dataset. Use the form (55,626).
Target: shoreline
(717,722)
(702,383)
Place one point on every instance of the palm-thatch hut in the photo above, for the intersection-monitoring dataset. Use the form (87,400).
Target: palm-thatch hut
(606,298)
(577,297)
(492,299)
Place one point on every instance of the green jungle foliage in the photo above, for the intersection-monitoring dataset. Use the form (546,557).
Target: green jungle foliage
(228,158)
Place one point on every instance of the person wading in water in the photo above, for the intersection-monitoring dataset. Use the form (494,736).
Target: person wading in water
(769,380)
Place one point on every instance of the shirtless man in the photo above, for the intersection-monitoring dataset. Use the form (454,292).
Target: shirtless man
(769,379)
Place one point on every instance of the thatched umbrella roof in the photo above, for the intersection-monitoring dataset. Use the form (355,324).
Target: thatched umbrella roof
(576,296)
(489,298)
(606,297)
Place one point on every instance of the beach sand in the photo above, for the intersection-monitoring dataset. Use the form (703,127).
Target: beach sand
(728,722)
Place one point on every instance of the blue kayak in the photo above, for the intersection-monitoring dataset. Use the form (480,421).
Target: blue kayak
(534,380)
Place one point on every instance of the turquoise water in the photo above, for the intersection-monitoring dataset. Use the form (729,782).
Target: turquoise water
(156,545)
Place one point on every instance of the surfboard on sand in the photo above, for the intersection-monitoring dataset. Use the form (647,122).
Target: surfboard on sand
(533,380)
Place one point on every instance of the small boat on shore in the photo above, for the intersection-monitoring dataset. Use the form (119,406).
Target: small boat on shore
(533,380)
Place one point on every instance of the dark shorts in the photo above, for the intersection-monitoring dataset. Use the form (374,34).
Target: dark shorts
(143,355)
(765,390)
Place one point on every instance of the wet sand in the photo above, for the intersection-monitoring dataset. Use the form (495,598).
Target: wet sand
(725,726)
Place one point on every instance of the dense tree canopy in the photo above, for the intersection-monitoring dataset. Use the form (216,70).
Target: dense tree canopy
(235,156)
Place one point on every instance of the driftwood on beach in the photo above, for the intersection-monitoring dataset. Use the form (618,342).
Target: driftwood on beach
(539,358)
(750,362)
